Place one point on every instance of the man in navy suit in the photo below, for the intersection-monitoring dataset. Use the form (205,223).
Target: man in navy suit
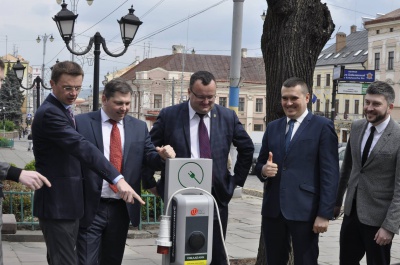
(104,226)
(299,161)
(59,152)
(178,126)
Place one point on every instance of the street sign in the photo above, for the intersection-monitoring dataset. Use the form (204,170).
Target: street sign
(338,72)
(359,75)
(352,88)
(29,115)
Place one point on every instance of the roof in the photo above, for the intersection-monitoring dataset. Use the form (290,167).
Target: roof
(355,51)
(391,16)
(252,71)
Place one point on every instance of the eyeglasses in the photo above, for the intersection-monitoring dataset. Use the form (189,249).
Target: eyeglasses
(72,88)
(210,98)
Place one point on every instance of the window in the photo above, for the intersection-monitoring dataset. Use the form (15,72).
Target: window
(377,31)
(241,104)
(377,60)
(327,108)
(328,55)
(357,52)
(328,79)
(337,55)
(157,101)
(336,107)
(356,106)
(391,30)
(346,106)
(390,60)
(319,57)
(222,101)
(318,80)
(346,54)
(258,127)
(318,105)
(259,105)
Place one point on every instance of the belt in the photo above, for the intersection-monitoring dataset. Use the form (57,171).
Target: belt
(109,200)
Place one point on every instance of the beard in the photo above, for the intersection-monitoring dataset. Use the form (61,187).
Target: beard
(377,118)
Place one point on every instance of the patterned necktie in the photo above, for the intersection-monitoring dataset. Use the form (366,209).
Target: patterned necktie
(71,114)
(367,146)
(204,140)
(115,150)
(288,136)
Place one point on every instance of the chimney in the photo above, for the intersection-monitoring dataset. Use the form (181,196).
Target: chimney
(193,51)
(340,41)
(244,52)
(177,49)
(353,28)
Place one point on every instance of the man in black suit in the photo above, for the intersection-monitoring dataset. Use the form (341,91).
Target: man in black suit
(59,152)
(178,126)
(104,226)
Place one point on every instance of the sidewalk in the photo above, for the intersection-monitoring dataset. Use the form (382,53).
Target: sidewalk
(242,236)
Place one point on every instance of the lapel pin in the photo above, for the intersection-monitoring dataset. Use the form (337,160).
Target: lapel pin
(215,115)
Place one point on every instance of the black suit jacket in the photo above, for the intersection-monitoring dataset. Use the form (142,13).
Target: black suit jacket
(138,150)
(172,127)
(59,152)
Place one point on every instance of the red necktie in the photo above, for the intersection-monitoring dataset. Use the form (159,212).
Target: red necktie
(204,140)
(116,157)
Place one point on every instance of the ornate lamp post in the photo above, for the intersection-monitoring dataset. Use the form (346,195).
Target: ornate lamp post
(19,72)
(129,25)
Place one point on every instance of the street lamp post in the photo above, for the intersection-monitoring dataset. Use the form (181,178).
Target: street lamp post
(74,5)
(45,37)
(129,25)
(19,72)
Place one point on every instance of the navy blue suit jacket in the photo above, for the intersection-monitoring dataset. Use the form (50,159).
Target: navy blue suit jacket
(59,152)
(138,151)
(307,179)
(172,127)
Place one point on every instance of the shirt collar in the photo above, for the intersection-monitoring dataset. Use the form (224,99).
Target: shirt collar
(299,119)
(105,118)
(381,127)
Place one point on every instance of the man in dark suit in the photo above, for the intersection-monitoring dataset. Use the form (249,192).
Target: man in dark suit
(178,126)
(371,175)
(59,152)
(104,226)
(299,161)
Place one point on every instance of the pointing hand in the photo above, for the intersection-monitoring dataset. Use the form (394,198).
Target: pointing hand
(270,168)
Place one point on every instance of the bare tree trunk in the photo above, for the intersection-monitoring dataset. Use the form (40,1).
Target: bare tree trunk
(294,33)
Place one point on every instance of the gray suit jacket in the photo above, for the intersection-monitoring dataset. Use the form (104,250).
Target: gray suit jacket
(377,182)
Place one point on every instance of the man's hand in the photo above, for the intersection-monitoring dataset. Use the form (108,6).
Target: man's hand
(33,180)
(320,225)
(166,152)
(270,169)
(127,193)
(383,237)
(336,212)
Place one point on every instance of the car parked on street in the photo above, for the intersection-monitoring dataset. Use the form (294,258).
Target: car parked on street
(257,148)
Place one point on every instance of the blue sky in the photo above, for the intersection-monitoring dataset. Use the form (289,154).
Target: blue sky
(208,32)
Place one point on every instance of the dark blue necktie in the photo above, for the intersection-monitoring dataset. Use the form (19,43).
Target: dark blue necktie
(289,134)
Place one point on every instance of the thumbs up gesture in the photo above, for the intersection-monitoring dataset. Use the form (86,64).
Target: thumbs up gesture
(270,168)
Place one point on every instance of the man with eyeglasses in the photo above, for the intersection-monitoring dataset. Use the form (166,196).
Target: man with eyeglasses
(179,125)
(59,152)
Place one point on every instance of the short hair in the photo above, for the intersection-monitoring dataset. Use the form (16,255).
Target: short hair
(205,77)
(116,85)
(296,81)
(2,65)
(66,67)
(382,88)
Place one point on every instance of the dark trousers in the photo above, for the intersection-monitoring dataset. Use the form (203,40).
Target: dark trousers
(60,237)
(103,242)
(278,232)
(218,251)
(356,239)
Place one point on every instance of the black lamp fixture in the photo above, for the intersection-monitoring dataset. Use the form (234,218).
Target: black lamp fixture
(19,69)
(129,25)
(263,15)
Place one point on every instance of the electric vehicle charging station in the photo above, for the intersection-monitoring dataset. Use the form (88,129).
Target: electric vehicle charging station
(186,230)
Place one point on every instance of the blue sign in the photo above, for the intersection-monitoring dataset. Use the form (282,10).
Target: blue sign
(29,115)
(359,75)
